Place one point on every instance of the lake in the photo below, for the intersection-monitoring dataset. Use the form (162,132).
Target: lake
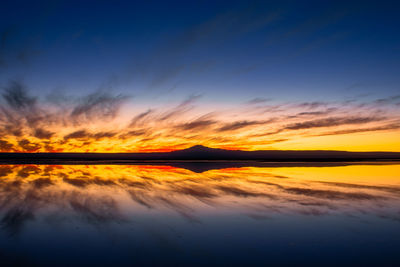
(163,215)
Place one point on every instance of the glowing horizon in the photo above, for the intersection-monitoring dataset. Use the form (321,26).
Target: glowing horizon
(102,122)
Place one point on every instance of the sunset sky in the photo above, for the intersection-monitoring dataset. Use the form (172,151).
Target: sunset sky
(126,76)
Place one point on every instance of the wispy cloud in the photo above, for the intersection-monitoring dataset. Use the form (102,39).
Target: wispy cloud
(393,126)
(239,125)
(331,121)
(98,104)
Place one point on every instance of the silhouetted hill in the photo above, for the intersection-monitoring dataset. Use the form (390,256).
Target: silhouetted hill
(205,153)
(208,154)
(198,148)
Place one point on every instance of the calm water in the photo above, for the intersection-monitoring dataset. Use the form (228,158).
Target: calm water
(161,215)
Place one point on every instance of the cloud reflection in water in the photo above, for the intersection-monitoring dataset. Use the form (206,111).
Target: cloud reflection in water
(103,194)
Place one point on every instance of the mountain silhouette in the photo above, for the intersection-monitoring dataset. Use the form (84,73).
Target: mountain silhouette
(199,148)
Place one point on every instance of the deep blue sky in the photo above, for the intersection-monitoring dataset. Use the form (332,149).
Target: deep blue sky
(227,51)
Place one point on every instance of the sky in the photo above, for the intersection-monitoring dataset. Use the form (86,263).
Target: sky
(130,76)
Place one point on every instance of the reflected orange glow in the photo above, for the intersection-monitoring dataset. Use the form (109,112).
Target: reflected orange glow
(252,190)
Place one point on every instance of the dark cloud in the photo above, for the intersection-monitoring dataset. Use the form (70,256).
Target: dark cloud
(331,194)
(196,125)
(101,135)
(86,180)
(98,104)
(26,171)
(5,170)
(277,140)
(140,117)
(140,198)
(76,181)
(270,108)
(267,183)
(14,220)
(387,100)
(392,189)
(135,184)
(150,138)
(313,212)
(101,181)
(317,113)
(391,126)
(95,210)
(6,146)
(239,125)
(183,107)
(133,133)
(22,112)
(332,121)
(27,145)
(195,191)
(179,207)
(42,182)
(17,97)
(240,192)
(328,194)
(311,105)
(42,133)
(258,100)
(80,134)
(83,134)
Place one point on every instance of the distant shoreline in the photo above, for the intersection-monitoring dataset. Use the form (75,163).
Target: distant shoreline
(201,159)
(201,153)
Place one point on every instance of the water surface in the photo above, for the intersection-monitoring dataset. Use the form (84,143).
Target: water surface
(163,215)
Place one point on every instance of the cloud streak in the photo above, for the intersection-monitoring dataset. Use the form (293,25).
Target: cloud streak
(331,121)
